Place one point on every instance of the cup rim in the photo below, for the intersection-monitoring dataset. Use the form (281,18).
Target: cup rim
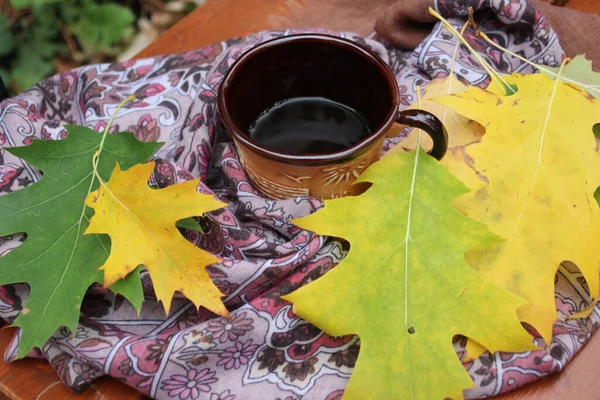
(241,136)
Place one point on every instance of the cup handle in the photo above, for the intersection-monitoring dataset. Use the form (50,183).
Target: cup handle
(431,125)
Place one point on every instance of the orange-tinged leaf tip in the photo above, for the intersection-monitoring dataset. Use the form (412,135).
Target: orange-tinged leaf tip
(221,311)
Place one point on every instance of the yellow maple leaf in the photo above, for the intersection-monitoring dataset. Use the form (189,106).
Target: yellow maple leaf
(405,287)
(141,224)
(541,160)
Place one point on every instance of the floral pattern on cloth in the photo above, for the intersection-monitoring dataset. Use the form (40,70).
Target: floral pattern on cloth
(264,351)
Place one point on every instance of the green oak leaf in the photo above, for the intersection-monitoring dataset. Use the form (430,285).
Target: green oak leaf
(39,39)
(57,261)
(8,41)
(102,25)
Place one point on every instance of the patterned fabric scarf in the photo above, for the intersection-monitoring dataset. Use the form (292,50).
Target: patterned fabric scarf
(264,351)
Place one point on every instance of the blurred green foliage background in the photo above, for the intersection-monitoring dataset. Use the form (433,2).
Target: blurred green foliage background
(41,37)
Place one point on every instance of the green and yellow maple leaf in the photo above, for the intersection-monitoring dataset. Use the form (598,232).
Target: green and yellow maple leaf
(57,262)
(541,160)
(405,287)
(141,223)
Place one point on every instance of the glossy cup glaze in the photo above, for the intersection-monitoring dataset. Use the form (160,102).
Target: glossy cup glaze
(314,65)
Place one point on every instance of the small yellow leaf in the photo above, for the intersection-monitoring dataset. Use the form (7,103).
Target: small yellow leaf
(141,224)
(541,160)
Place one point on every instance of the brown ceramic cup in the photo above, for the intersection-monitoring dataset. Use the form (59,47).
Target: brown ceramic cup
(315,65)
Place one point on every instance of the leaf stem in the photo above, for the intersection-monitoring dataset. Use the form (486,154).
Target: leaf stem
(589,88)
(407,325)
(525,60)
(507,51)
(496,77)
(96,157)
(419,107)
(451,72)
(453,63)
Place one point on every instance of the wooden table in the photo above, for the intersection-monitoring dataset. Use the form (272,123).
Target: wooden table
(220,20)
(592,6)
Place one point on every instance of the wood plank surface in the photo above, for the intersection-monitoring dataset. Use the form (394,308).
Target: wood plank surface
(591,6)
(220,20)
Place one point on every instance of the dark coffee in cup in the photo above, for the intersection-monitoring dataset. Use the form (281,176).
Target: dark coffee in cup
(313,125)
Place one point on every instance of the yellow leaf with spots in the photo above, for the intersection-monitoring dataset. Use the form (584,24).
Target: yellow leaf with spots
(141,224)
(542,163)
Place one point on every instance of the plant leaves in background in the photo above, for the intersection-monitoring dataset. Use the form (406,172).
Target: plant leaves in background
(56,261)
(7,42)
(540,158)
(103,25)
(37,39)
(19,4)
(141,224)
(405,287)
